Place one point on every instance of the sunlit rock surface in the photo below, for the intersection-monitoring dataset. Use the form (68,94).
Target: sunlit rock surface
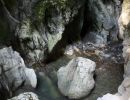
(75,80)
(44,24)
(25,96)
(109,97)
(13,72)
(100,23)
(124,23)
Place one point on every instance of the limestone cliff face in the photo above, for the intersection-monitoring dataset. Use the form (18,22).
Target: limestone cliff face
(124,28)
(36,26)
(124,19)
(124,24)
(100,22)
(42,24)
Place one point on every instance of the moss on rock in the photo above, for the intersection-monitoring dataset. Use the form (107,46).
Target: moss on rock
(10,4)
(42,5)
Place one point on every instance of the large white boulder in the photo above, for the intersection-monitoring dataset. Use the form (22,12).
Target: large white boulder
(75,80)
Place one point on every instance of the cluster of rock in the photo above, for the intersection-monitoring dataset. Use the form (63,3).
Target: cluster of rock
(124,21)
(75,80)
(13,72)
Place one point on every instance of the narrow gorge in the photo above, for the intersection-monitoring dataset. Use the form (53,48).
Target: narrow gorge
(64,50)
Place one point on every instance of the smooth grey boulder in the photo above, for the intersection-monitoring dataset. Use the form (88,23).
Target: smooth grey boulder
(13,71)
(25,96)
(75,80)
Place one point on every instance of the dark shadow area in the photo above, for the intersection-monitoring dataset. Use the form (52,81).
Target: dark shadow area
(70,35)
(4,27)
(4,94)
(89,23)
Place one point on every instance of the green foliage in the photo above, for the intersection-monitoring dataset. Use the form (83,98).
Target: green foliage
(41,7)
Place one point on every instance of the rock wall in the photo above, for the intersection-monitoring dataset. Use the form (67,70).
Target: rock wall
(124,28)
(26,96)
(124,22)
(101,21)
(42,24)
(36,26)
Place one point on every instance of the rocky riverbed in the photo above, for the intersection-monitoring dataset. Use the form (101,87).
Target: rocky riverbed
(108,76)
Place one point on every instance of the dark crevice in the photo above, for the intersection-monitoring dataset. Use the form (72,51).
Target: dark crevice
(69,36)
(89,23)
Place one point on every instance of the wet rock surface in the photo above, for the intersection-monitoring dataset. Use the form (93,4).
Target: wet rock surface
(124,20)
